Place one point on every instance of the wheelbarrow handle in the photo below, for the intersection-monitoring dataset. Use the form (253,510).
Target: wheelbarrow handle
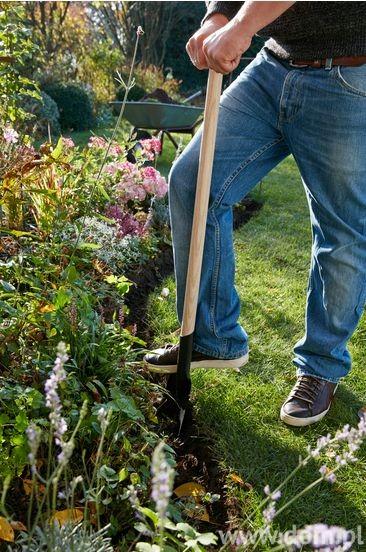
(207,150)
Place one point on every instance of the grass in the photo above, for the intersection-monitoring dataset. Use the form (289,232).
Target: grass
(241,411)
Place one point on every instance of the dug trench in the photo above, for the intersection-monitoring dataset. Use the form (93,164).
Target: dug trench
(196,461)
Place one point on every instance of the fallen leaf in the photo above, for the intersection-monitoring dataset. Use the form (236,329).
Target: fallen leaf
(70,515)
(200,513)
(196,491)
(18,526)
(6,530)
(28,486)
(237,479)
(190,489)
(362,412)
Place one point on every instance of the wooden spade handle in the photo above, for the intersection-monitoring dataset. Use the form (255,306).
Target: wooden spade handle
(201,202)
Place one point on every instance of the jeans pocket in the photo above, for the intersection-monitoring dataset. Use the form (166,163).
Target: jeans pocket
(353,79)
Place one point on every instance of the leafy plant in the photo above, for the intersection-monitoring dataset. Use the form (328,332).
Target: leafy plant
(16,49)
(73,102)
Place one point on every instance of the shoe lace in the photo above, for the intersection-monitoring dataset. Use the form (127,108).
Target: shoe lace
(171,347)
(307,389)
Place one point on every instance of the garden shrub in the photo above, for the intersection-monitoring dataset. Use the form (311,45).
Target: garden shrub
(74,104)
(45,115)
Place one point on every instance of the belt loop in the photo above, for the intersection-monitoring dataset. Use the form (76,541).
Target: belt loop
(328,64)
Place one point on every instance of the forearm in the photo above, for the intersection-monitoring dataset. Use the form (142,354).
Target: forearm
(227,9)
(254,15)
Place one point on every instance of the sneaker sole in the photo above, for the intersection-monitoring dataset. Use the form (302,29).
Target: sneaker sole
(233,364)
(302,422)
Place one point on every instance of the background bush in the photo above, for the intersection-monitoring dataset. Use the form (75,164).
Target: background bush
(74,104)
(45,114)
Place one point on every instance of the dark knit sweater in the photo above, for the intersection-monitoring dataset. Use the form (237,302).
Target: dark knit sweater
(311,30)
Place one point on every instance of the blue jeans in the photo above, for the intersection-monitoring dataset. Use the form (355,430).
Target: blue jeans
(270,111)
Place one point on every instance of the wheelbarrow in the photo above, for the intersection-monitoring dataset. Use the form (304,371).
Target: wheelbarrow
(163,118)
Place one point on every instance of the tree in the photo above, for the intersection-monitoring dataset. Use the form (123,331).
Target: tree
(157,19)
(48,23)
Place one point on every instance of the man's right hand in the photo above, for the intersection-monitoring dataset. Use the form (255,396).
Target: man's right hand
(194,45)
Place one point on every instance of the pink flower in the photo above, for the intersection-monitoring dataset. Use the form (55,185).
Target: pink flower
(68,142)
(150,148)
(10,135)
(114,167)
(131,191)
(116,149)
(161,186)
(153,182)
(97,142)
(150,176)
(129,187)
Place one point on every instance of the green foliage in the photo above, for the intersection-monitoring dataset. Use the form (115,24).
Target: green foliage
(18,406)
(73,102)
(16,50)
(45,115)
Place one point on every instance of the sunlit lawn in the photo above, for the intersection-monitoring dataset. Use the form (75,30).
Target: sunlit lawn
(241,412)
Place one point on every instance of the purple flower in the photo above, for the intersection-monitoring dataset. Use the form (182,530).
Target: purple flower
(327,474)
(269,513)
(162,481)
(34,436)
(321,444)
(127,223)
(67,448)
(276,495)
(53,402)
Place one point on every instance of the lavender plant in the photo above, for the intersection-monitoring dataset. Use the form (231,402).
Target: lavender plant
(342,447)
(67,538)
(156,525)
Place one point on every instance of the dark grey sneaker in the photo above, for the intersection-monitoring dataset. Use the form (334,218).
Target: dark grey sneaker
(308,402)
(164,360)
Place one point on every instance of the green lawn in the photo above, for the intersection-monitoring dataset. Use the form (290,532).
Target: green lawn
(241,411)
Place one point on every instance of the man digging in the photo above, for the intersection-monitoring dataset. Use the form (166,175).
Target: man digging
(305,95)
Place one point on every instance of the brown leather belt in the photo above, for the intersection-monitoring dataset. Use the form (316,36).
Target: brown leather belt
(351,61)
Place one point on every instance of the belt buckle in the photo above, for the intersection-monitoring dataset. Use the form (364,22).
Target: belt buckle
(293,64)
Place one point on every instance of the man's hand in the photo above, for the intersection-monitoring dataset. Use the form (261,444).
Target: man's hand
(219,44)
(194,46)
(224,48)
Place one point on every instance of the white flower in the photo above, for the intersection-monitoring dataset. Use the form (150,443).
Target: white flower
(162,481)
(165,292)
(10,135)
